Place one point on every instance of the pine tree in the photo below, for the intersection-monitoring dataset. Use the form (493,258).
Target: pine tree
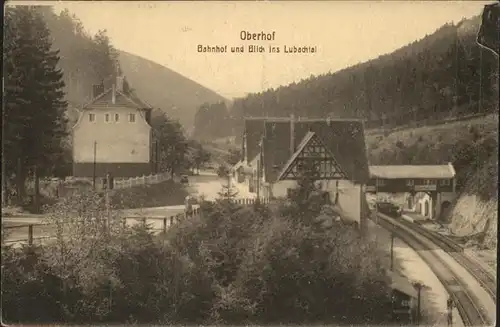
(34,105)
(306,198)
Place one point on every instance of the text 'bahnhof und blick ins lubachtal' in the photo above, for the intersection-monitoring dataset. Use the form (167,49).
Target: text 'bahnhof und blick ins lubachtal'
(252,43)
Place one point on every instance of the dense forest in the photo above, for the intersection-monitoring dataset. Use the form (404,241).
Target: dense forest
(443,75)
(85,59)
(208,127)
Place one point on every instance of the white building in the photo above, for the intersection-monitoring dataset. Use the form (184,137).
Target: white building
(274,149)
(113,131)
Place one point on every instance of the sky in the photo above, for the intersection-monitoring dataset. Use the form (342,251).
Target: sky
(344,33)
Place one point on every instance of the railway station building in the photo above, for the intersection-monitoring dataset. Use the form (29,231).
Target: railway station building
(275,150)
(430,189)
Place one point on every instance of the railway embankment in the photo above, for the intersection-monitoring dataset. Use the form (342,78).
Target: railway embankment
(409,264)
(472,147)
(474,301)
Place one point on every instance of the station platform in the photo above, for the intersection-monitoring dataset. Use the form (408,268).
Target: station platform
(486,259)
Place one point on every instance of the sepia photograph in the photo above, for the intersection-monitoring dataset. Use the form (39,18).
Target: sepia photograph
(250,163)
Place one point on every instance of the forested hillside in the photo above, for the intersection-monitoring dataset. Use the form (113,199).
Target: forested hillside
(212,121)
(161,87)
(84,59)
(87,60)
(443,75)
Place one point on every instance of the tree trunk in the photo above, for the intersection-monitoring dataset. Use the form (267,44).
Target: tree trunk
(20,179)
(4,184)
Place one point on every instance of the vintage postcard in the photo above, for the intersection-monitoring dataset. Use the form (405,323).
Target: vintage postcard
(250,163)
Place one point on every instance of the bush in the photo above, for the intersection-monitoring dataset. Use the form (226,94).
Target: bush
(232,264)
(30,293)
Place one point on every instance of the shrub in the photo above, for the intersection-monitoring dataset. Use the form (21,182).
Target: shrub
(291,273)
(231,264)
(30,293)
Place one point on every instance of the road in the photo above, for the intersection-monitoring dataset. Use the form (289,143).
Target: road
(207,184)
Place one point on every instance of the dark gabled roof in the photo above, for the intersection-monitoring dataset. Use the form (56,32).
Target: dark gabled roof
(413,171)
(343,138)
(121,99)
(254,130)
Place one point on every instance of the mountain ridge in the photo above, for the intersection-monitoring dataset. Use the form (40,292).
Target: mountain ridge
(164,88)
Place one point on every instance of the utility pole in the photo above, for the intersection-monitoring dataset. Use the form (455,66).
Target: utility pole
(107,189)
(392,251)
(449,306)
(37,189)
(94,167)
(258,182)
(480,80)
(376,205)
(157,153)
(418,286)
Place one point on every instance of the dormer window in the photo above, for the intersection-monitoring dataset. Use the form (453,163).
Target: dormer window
(131,118)
(106,118)
(117,117)
(91,117)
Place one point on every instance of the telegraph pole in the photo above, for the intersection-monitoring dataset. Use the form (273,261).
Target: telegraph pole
(107,188)
(94,168)
(392,251)
(376,200)
(157,155)
(418,286)
(480,80)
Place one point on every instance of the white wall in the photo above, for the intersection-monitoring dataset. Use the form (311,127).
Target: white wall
(117,142)
(349,199)
(279,189)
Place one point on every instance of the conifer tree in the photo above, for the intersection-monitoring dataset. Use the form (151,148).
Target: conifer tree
(33,97)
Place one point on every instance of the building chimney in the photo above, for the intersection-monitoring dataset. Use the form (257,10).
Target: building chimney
(119,83)
(292,134)
(113,94)
(245,152)
(97,90)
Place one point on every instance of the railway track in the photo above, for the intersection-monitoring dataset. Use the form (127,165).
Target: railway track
(485,278)
(469,307)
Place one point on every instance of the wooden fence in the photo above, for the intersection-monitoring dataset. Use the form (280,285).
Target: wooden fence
(143,180)
(37,232)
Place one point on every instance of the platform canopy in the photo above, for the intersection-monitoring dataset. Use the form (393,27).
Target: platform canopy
(412,171)
(312,152)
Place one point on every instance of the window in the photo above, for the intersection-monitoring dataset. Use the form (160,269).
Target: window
(445,182)
(131,118)
(117,117)
(428,182)
(380,182)
(106,117)
(91,117)
(410,182)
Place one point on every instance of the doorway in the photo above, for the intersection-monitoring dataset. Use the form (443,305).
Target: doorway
(445,208)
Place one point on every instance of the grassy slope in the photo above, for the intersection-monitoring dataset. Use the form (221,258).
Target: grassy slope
(167,193)
(464,144)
